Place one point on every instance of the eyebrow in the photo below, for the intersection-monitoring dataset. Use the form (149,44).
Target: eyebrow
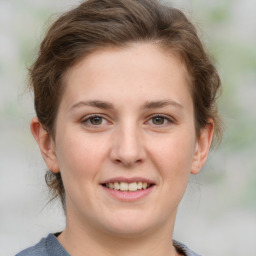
(107,105)
(94,103)
(161,104)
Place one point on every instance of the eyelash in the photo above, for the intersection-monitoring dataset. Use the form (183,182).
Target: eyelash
(167,120)
(87,120)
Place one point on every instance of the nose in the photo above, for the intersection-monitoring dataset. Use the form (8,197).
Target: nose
(127,146)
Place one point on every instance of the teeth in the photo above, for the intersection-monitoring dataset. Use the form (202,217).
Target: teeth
(139,184)
(133,186)
(125,186)
(116,186)
(144,185)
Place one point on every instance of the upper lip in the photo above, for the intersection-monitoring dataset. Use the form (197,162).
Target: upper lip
(128,180)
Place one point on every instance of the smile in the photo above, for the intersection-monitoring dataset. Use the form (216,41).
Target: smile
(128,189)
(125,186)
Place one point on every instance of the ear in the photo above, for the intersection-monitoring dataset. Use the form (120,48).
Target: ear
(46,144)
(202,147)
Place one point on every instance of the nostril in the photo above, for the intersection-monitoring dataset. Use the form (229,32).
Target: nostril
(127,149)
(118,161)
(128,162)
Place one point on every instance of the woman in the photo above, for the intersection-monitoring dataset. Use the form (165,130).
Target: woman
(125,98)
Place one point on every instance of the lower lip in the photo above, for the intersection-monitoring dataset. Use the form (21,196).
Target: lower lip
(128,196)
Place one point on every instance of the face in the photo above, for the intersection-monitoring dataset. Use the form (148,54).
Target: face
(125,139)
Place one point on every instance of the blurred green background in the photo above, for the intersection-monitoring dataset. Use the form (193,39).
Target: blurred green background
(218,213)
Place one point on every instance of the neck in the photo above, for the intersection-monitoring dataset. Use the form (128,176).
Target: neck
(84,239)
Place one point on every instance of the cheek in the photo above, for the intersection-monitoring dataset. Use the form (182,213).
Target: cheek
(79,165)
(173,155)
(81,156)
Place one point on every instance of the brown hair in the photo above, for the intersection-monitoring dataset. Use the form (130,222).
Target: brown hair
(101,23)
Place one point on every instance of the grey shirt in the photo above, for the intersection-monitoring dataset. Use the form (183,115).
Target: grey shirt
(50,246)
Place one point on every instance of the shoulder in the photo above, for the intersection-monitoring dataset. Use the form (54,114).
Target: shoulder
(38,249)
(48,246)
(182,248)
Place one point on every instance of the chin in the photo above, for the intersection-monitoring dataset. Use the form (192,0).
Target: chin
(129,231)
(130,224)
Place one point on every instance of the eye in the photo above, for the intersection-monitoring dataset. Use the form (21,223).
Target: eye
(160,120)
(94,120)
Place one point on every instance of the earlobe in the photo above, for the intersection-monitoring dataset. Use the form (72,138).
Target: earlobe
(46,144)
(202,147)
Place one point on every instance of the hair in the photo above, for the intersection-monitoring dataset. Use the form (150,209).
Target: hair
(96,24)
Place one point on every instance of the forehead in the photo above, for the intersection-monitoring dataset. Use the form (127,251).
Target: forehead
(137,67)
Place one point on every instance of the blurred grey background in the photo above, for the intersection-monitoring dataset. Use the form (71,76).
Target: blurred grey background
(218,214)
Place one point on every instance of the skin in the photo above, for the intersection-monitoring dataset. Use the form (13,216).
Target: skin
(126,88)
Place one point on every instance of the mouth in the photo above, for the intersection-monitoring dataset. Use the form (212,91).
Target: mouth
(128,186)
(128,189)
